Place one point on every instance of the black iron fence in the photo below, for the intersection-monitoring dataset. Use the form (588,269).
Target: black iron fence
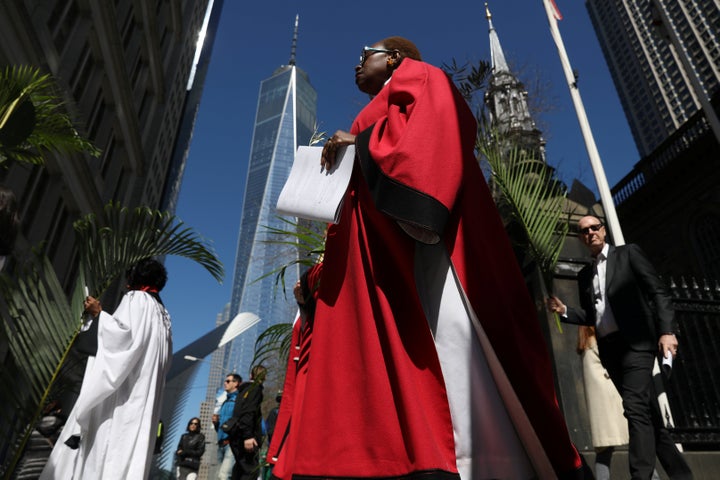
(694,386)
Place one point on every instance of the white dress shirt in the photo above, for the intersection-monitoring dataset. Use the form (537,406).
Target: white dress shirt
(604,319)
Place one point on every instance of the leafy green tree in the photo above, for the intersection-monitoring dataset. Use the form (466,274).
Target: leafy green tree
(33,119)
(41,321)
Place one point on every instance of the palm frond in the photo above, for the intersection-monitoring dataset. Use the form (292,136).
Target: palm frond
(119,237)
(535,199)
(50,128)
(470,79)
(317,136)
(307,237)
(40,328)
(273,342)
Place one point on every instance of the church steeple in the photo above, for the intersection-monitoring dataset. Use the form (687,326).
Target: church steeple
(506,99)
(294,41)
(497,56)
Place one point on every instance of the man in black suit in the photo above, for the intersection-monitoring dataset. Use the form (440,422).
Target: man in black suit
(622,296)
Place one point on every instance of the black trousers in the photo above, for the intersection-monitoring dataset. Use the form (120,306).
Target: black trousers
(631,372)
(247,464)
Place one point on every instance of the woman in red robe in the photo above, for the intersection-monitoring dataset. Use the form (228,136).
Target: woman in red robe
(427,357)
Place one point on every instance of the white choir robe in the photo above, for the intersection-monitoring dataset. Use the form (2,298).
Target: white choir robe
(118,409)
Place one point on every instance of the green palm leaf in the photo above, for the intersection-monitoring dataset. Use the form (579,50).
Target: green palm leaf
(305,237)
(533,198)
(273,342)
(39,330)
(33,119)
(119,237)
(41,325)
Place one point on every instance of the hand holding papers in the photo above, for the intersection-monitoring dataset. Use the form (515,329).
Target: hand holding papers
(312,192)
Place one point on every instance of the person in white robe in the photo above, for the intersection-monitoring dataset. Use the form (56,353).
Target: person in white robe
(114,421)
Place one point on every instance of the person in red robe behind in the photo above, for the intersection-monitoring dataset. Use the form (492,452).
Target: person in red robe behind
(427,358)
(305,292)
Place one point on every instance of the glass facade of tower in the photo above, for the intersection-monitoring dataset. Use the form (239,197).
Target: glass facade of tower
(284,120)
(654,88)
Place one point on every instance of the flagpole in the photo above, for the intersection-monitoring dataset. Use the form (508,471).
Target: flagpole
(605,196)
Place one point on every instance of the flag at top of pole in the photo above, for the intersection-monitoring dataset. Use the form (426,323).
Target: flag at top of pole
(556,10)
(613,224)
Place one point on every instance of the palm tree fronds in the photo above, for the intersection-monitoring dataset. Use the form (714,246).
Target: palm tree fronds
(305,237)
(535,199)
(317,136)
(272,342)
(120,236)
(33,119)
(40,330)
(468,78)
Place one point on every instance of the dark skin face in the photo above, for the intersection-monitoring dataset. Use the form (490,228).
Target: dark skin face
(372,75)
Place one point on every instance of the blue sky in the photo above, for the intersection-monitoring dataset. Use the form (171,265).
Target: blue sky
(254,38)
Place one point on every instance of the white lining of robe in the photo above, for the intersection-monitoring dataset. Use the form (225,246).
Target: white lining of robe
(488,446)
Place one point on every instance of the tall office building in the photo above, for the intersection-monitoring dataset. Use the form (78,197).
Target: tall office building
(664,57)
(122,68)
(654,85)
(285,119)
(218,360)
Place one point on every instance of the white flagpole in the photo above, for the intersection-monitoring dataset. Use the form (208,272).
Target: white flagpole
(595,162)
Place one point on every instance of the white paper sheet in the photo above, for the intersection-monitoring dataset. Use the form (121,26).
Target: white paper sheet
(313,193)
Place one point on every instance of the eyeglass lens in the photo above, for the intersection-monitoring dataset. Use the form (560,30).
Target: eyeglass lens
(367,51)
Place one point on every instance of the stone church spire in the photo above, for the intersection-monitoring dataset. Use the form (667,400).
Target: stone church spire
(507,101)
(496,52)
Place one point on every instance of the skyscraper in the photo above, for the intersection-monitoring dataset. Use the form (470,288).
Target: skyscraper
(285,119)
(654,86)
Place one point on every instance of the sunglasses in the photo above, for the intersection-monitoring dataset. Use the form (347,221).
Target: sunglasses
(367,51)
(591,228)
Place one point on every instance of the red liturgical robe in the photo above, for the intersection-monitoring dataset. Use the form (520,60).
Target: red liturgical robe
(375,402)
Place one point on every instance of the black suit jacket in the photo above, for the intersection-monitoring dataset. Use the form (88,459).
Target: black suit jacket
(638,298)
